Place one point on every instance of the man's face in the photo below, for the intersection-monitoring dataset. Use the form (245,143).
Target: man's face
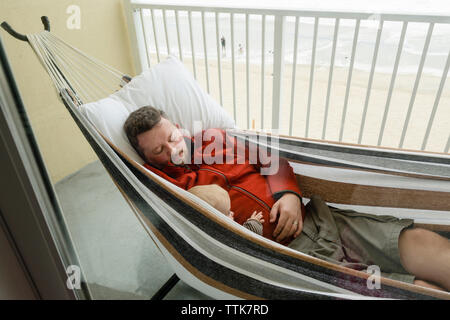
(164,142)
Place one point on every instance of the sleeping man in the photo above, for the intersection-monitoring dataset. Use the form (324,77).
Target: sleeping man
(353,239)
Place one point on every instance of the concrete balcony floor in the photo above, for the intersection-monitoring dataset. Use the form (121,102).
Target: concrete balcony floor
(117,257)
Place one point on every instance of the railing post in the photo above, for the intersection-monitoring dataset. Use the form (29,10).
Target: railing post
(278,66)
(166,32)
(263,63)
(416,84)
(447,146)
(144,34)
(132,17)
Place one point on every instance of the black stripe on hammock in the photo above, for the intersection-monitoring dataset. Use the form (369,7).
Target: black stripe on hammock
(386,165)
(400,155)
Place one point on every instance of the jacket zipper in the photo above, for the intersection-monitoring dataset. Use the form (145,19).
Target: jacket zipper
(224,176)
(239,188)
(253,196)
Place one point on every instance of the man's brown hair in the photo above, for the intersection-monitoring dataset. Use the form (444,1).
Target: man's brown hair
(140,121)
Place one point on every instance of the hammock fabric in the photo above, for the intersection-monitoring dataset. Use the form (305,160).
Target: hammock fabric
(223,259)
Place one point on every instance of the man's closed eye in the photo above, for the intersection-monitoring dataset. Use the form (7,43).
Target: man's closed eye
(158,151)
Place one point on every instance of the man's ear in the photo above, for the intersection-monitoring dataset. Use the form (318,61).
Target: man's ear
(177,125)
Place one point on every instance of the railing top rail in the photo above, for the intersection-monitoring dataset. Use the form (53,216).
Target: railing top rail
(363,15)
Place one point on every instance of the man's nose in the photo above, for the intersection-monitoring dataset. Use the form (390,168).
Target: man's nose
(171,148)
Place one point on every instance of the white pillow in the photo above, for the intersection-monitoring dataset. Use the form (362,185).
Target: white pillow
(108,116)
(168,86)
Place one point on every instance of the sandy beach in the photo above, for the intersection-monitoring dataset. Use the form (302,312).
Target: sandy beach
(399,104)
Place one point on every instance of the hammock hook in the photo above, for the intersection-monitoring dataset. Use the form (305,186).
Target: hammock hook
(22,37)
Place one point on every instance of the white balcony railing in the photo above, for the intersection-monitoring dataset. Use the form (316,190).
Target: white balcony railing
(310,66)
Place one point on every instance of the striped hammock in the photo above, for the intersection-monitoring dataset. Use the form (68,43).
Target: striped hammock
(221,258)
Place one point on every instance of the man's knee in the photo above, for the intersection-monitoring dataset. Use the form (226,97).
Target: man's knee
(411,243)
(415,237)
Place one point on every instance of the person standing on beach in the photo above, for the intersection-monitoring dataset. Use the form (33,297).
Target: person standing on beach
(222,41)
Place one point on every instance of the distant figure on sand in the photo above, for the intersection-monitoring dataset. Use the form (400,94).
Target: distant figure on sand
(222,41)
(241,49)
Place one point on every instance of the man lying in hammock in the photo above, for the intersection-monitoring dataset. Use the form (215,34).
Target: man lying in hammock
(353,239)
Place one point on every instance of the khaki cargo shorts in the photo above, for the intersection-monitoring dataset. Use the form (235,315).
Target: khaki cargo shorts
(353,239)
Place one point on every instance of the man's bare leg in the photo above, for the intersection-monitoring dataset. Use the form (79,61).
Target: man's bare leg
(426,255)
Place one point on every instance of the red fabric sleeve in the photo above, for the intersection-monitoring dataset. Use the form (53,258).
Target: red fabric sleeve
(283,181)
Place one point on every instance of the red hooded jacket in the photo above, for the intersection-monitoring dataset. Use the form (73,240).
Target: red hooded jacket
(224,160)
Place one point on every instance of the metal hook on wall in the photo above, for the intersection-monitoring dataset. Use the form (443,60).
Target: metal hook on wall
(22,37)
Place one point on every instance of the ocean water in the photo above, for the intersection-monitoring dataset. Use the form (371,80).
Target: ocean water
(412,50)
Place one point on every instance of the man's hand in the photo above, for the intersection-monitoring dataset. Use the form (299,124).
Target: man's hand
(290,222)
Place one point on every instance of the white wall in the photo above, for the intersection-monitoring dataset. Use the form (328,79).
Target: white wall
(102,34)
